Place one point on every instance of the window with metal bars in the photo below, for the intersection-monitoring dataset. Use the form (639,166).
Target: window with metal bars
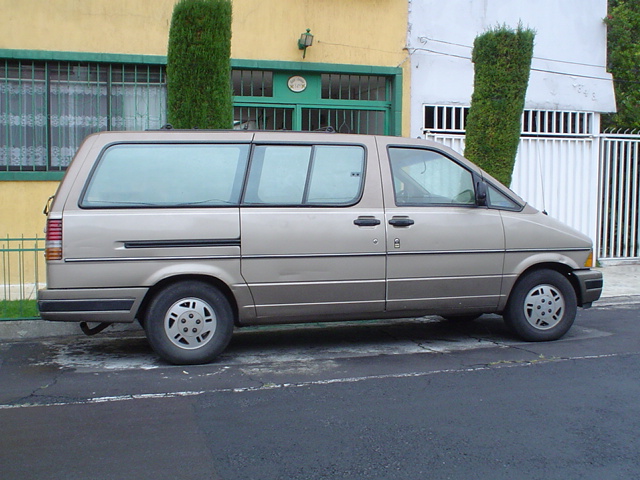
(354,87)
(452,119)
(252,83)
(48,108)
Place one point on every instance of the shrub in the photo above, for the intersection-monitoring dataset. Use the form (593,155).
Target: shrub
(199,66)
(623,61)
(502,59)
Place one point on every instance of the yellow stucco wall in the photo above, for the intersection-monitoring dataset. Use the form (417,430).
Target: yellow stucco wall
(21,205)
(360,32)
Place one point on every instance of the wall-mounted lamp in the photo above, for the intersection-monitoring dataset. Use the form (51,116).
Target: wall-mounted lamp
(305,40)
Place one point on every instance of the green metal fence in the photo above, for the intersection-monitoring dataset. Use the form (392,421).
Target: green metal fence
(22,272)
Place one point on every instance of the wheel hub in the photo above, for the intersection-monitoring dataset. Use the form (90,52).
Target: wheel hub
(190,323)
(544,307)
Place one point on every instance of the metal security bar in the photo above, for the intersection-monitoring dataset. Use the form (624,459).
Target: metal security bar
(262,118)
(22,267)
(620,197)
(453,118)
(445,118)
(47,108)
(252,83)
(354,87)
(370,122)
(557,122)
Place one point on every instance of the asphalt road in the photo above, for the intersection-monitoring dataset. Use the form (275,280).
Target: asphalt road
(421,399)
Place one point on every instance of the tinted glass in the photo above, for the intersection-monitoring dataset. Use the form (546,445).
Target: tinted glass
(426,177)
(305,175)
(497,199)
(167,175)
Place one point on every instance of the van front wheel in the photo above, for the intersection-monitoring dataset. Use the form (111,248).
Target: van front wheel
(542,306)
(189,323)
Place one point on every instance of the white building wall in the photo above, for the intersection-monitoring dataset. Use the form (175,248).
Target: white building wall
(568,68)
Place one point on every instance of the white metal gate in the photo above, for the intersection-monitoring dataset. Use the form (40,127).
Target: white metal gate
(558,175)
(587,180)
(620,197)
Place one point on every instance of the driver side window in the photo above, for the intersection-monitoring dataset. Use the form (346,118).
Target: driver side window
(426,177)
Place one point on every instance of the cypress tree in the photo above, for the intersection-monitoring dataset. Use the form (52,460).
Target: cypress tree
(199,66)
(502,60)
(623,61)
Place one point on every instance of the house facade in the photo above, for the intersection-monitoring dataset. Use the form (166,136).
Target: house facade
(398,67)
(71,67)
(558,164)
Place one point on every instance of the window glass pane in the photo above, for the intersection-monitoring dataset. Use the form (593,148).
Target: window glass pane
(426,177)
(371,122)
(138,97)
(336,175)
(252,83)
(23,116)
(499,200)
(48,108)
(338,86)
(278,175)
(262,118)
(78,107)
(168,175)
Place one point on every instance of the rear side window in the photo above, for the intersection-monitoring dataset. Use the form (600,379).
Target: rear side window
(167,176)
(322,175)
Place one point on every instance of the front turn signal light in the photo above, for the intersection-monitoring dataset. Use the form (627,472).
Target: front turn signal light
(589,261)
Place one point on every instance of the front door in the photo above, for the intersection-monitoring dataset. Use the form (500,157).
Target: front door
(445,254)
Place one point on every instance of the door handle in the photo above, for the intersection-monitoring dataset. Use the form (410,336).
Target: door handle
(366,221)
(401,222)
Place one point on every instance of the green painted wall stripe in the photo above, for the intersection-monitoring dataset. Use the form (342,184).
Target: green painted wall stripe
(46,55)
(162,60)
(31,176)
(315,67)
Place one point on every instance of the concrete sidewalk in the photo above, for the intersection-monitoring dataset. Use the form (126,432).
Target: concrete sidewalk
(621,285)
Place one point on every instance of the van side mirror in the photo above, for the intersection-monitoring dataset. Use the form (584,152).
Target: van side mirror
(481,193)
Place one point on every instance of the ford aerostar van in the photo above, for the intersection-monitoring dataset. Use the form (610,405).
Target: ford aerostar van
(193,233)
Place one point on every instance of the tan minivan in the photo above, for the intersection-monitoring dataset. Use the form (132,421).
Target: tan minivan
(194,233)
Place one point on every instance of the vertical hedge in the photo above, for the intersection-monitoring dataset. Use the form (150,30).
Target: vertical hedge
(199,66)
(623,61)
(502,59)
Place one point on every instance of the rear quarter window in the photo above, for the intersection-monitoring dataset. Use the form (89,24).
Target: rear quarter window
(175,175)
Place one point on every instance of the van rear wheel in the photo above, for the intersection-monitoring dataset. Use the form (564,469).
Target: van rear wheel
(189,323)
(542,306)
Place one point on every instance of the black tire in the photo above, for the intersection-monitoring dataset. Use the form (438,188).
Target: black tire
(189,323)
(542,306)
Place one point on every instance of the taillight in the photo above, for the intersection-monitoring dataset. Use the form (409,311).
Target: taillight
(53,243)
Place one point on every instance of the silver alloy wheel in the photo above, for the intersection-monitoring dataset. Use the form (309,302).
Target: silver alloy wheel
(544,307)
(190,323)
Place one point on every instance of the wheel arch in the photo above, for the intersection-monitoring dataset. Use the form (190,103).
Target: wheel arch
(212,281)
(564,269)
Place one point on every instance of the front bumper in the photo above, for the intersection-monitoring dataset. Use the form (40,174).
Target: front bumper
(589,284)
(111,305)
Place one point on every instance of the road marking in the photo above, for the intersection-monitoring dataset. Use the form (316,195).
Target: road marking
(346,380)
